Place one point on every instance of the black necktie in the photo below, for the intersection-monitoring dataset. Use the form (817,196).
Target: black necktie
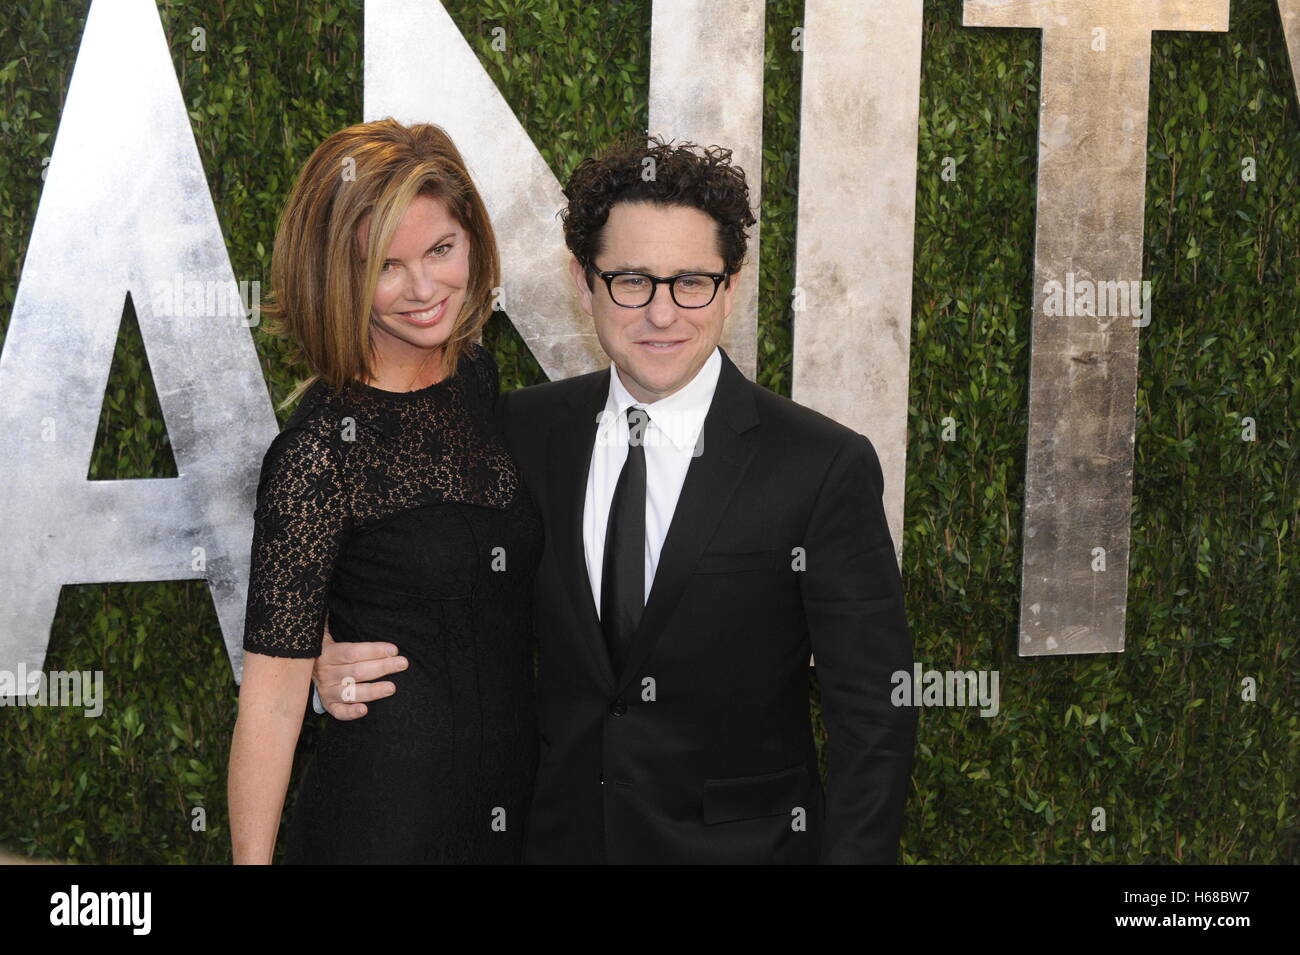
(622,581)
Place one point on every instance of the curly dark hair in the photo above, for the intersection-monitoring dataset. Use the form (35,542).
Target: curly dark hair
(684,175)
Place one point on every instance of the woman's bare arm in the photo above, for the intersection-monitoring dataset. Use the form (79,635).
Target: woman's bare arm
(271,703)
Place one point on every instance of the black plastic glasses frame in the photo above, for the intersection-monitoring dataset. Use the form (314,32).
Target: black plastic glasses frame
(656,281)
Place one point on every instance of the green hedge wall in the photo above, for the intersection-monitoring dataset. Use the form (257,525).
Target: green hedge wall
(1157,736)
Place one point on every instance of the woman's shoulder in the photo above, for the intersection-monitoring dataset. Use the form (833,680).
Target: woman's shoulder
(481,358)
(485,371)
(313,404)
(306,447)
(340,415)
(312,441)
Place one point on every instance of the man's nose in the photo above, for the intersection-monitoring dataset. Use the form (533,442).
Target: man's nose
(662,310)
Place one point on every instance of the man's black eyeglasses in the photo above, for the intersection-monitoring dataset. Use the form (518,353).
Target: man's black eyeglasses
(636,289)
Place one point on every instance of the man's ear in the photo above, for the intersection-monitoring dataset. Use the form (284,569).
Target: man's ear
(579,275)
(729,292)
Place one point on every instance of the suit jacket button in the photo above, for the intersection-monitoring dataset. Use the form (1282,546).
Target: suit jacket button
(618,708)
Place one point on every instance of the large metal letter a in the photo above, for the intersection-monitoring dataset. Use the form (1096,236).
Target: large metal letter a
(125,210)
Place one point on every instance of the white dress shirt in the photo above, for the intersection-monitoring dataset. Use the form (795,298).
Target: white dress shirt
(670,444)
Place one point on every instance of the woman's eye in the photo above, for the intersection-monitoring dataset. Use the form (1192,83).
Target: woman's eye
(440,251)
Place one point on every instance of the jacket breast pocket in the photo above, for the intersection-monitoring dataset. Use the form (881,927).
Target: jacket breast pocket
(719,562)
(752,797)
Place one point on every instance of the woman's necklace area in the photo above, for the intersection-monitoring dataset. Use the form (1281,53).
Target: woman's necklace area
(410,385)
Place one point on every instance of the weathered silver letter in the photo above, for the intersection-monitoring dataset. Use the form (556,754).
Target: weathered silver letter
(125,210)
(1092,137)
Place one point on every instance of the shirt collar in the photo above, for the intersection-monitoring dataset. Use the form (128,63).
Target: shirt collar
(680,416)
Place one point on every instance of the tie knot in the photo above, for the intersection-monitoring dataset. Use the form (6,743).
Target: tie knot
(637,419)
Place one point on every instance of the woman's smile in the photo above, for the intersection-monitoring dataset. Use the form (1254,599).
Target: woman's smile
(427,317)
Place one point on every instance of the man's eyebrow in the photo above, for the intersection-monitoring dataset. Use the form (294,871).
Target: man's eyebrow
(649,271)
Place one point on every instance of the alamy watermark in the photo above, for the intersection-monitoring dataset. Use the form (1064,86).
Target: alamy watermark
(1106,299)
(208,298)
(76,907)
(924,687)
(77,688)
(613,432)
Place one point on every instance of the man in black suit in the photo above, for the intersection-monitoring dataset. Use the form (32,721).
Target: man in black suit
(703,537)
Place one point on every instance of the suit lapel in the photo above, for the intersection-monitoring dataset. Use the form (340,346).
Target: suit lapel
(570,449)
(711,480)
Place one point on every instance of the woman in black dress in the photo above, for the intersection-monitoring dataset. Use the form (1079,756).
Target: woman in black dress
(389,503)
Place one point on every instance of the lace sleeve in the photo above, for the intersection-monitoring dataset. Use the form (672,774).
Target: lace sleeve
(299,527)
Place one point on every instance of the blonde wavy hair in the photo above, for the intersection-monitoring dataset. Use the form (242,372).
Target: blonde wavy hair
(322,288)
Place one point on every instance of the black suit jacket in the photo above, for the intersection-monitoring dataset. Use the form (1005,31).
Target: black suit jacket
(701,750)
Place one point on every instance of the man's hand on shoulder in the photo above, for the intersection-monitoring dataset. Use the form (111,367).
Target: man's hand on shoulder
(344,671)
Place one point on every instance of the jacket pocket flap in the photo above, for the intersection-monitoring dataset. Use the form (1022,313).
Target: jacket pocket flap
(751,797)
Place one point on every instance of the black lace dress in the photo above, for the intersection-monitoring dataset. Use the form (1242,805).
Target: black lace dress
(403,516)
